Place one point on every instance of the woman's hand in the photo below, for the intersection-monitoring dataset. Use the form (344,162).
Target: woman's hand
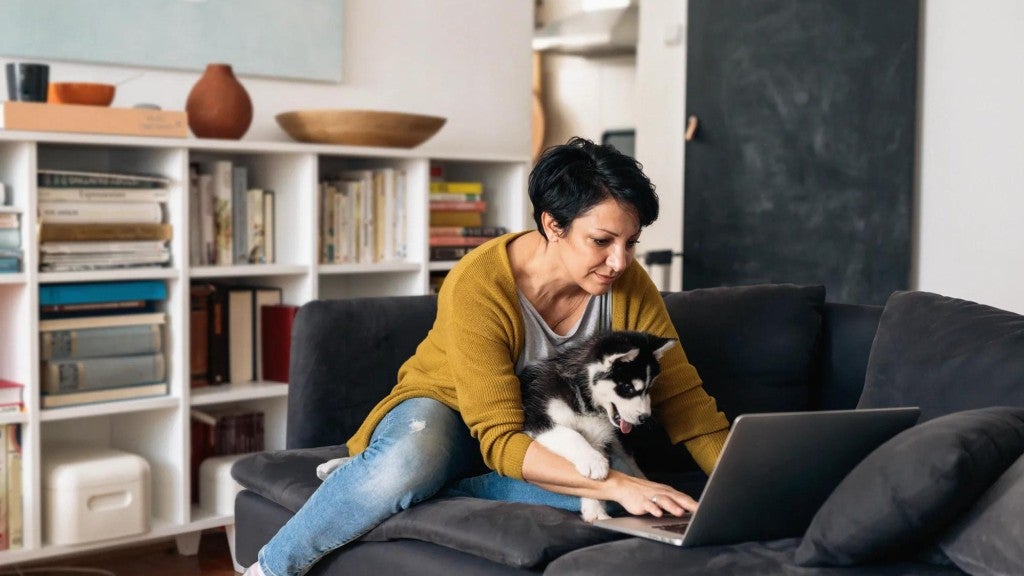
(641,496)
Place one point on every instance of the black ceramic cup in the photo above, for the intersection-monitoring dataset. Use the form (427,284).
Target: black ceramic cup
(27,82)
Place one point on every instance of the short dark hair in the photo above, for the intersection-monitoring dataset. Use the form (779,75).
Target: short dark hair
(570,179)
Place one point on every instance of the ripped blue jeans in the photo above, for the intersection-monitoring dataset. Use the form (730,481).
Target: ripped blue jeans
(420,449)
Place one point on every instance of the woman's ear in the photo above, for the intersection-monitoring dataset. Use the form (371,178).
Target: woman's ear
(551,228)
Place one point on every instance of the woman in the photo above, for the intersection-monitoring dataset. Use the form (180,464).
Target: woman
(509,302)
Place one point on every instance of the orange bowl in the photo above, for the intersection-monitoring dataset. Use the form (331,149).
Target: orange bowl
(88,93)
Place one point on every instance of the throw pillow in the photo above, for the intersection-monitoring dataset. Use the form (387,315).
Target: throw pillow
(913,486)
(989,539)
(944,355)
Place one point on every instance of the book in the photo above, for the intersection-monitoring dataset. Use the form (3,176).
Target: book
(46,177)
(458,205)
(262,296)
(463,218)
(97,342)
(96,309)
(103,321)
(93,119)
(11,393)
(4,535)
(199,334)
(269,239)
(221,178)
(239,215)
(86,194)
(15,491)
(100,213)
(231,340)
(10,238)
(467,231)
(458,240)
(457,187)
(276,331)
(448,252)
(94,261)
(82,292)
(255,241)
(10,264)
(71,232)
(442,196)
(103,395)
(9,219)
(81,374)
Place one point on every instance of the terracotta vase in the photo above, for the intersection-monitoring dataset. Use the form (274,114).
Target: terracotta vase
(218,105)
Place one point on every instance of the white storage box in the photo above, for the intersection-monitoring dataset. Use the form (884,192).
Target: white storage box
(92,493)
(217,489)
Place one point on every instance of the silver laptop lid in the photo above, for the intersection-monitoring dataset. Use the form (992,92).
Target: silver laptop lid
(777,469)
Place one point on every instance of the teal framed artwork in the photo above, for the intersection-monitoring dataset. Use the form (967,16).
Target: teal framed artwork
(290,39)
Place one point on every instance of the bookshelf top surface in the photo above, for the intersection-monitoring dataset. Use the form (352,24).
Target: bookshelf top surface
(245,146)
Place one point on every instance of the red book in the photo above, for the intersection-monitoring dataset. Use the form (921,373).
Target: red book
(459,205)
(10,396)
(277,340)
(458,240)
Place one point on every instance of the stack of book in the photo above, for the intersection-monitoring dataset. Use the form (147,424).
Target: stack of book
(363,217)
(12,529)
(231,221)
(10,241)
(99,220)
(226,344)
(101,342)
(220,432)
(456,219)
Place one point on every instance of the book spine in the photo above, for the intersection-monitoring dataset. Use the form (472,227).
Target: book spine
(457,240)
(221,173)
(10,238)
(269,227)
(276,333)
(98,213)
(95,373)
(490,231)
(453,196)
(448,252)
(457,187)
(89,292)
(103,395)
(58,194)
(99,342)
(72,232)
(254,227)
(239,215)
(459,205)
(219,362)
(208,220)
(199,337)
(15,491)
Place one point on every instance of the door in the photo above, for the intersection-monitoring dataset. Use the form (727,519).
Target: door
(801,168)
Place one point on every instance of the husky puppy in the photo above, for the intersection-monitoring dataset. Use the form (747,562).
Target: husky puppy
(577,401)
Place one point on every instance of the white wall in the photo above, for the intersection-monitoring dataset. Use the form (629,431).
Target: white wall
(969,214)
(970,234)
(463,59)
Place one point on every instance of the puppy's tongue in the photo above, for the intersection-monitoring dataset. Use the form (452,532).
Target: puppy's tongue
(625,427)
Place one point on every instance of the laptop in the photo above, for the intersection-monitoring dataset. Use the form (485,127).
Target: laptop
(774,473)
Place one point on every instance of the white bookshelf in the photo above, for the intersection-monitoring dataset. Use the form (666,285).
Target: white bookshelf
(158,428)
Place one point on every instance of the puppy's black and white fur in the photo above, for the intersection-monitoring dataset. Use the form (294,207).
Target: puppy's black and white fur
(577,401)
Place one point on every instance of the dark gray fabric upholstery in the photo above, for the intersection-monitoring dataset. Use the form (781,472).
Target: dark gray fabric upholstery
(647,558)
(989,540)
(756,348)
(945,355)
(345,357)
(848,335)
(912,487)
(287,477)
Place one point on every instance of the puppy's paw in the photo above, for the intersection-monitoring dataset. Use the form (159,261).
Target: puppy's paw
(324,470)
(592,510)
(592,464)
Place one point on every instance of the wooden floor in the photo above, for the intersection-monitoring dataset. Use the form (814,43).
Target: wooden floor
(157,559)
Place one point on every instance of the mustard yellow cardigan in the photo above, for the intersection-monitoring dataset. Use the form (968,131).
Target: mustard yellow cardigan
(467,362)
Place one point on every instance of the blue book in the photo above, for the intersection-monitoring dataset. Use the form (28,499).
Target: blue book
(96,292)
(10,238)
(8,265)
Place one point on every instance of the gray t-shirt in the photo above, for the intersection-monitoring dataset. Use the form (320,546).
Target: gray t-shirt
(541,341)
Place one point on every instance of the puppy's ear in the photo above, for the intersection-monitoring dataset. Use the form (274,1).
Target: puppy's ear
(662,345)
(627,356)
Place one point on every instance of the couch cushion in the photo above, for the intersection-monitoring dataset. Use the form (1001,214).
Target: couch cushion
(989,539)
(756,348)
(519,535)
(647,558)
(944,355)
(913,486)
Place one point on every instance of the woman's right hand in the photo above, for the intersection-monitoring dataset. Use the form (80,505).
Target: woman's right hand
(640,496)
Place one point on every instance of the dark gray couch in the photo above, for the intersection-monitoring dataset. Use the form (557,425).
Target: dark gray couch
(758,349)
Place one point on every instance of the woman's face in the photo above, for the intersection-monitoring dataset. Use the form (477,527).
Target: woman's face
(599,245)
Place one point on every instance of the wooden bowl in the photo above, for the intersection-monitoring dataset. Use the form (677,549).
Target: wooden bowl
(87,93)
(360,127)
